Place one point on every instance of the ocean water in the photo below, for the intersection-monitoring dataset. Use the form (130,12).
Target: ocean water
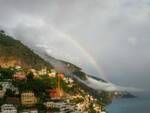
(132,105)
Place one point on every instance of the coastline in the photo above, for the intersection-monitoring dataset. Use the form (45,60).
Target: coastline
(139,104)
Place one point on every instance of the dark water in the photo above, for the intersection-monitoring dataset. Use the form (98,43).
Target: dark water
(134,105)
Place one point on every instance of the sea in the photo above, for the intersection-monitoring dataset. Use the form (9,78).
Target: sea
(141,104)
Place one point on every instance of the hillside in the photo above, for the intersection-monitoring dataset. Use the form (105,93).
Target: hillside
(13,52)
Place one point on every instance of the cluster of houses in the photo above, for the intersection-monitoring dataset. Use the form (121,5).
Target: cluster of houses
(26,98)
(11,103)
(29,98)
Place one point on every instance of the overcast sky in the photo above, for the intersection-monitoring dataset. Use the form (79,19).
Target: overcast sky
(115,33)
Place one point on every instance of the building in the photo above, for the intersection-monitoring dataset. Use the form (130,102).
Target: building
(33,111)
(43,71)
(18,67)
(6,85)
(9,85)
(61,75)
(68,80)
(58,92)
(2,93)
(29,111)
(13,100)
(28,98)
(52,73)
(20,75)
(50,104)
(53,94)
(8,108)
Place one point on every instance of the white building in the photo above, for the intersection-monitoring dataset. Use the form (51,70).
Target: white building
(52,73)
(68,80)
(42,71)
(8,85)
(51,104)
(33,111)
(30,111)
(8,108)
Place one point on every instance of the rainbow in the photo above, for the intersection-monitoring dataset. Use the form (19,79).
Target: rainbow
(80,47)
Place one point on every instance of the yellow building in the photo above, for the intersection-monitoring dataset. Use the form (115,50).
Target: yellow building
(2,93)
(28,98)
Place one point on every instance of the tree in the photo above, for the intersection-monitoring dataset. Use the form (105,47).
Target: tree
(2,31)
(9,93)
(30,76)
(6,73)
(41,107)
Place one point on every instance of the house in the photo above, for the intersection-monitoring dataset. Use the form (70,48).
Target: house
(50,104)
(18,67)
(8,108)
(9,85)
(42,71)
(5,85)
(28,98)
(68,80)
(53,93)
(52,74)
(20,75)
(29,111)
(2,93)
(33,111)
(13,100)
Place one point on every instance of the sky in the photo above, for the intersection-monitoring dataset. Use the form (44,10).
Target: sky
(108,39)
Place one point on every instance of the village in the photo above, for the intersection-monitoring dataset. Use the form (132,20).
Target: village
(43,91)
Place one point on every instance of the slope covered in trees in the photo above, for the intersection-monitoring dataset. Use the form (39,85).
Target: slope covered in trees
(13,52)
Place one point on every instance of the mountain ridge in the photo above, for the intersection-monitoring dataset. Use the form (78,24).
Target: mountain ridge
(13,52)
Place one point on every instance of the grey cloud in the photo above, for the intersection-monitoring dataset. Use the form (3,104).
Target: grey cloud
(115,33)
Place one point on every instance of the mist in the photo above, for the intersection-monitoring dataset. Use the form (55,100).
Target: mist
(115,33)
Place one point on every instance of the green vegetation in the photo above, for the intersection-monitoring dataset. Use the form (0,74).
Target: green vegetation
(80,74)
(54,109)
(77,100)
(9,93)
(104,98)
(1,101)
(6,73)
(38,86)
(11,48)
(41,107)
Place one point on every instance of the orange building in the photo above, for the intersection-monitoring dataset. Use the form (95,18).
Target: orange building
(19,75)
(53,93)
(58,92)
(61,75)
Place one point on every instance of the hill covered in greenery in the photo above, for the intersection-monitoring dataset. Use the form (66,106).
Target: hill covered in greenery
(13,52)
